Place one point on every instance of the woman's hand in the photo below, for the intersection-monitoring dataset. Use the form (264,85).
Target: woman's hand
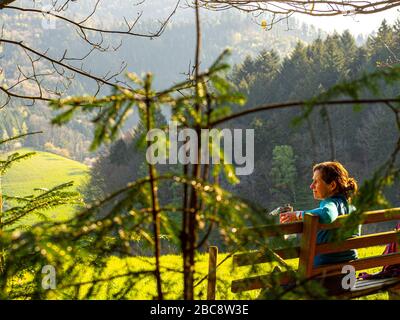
(287,217)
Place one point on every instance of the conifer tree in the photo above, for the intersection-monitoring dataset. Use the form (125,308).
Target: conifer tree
(22,206)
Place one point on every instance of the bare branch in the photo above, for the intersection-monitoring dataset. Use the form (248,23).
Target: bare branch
(33,81)
(80,25)
(324,8)
(300,104)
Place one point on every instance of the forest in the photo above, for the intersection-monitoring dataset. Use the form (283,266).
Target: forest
(362,138)
(140,55)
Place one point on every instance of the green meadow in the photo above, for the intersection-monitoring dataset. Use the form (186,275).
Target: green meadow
(144,285)
(43,170)
(46,170)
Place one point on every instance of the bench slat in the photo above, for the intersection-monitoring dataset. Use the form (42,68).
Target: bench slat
(362,287)
(359,242)
(260,256)
(368,217)
(272,230)
(368,284)
(372,287)
(359,264)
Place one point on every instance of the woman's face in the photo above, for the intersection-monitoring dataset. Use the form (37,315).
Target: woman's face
(321,190)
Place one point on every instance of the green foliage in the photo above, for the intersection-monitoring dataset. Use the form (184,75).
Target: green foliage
(43,170)
(128,215)
(283,174)
(26,206)
(35,205)
(109,226)
(311,75)
(12,158)
(115,280)
(367,85)
(128,206)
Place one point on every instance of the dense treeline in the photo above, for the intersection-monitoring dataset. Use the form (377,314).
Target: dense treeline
(361,138)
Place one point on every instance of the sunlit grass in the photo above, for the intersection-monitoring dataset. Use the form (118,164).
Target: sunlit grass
(43,170)
(47,170)
(144,285)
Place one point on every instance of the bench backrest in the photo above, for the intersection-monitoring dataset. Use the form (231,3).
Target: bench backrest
(308,248)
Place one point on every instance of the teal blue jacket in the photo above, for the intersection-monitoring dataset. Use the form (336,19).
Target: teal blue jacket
(329,209)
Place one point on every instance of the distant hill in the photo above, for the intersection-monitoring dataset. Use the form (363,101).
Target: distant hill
(169,57)
(43,170)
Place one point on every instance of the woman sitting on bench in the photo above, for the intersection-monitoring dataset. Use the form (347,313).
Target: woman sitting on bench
(332,185)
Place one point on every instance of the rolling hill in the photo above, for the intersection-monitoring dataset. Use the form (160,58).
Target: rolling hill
(43,170)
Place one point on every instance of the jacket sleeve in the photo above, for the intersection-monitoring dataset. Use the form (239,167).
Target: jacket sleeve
(327,212)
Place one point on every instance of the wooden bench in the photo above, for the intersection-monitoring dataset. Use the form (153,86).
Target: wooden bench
(306,252)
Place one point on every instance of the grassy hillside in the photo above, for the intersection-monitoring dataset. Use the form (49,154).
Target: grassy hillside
(47,170)
(43,170)
(144,286)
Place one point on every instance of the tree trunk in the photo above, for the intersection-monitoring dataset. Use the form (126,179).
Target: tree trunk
(2,258)
(154,203)
(190,216)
